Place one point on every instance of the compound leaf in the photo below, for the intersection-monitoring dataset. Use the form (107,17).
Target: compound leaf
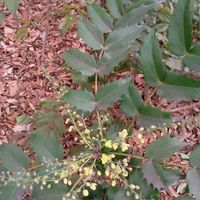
(14,159)
(164,147)
(160,177)
(46,147)
(90,34)
(180,30)
(99,17)
(81,62)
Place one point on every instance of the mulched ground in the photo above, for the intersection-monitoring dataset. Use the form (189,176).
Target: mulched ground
(23,83)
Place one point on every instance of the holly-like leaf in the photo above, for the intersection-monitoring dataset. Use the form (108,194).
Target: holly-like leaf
(158,176)
(81,99)
(170,85)
(163,148)
(10,191)
(81,62)
(111,92)
(180,30)
(90,34)
(14,159)
(46,147)
(134,16)
(107,63)
(101,18)
(115,7)
(132,104)
(193,180)
(56,192)
(117,194)
(146,191)
(192,59)
(12,5)
(195,157)
(121,38)
(49,123)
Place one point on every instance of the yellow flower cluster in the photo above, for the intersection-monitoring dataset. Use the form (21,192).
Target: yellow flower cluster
(106,158)
(111,145)
(123,134)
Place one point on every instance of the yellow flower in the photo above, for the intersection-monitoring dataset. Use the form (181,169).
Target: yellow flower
(105,158)
(113,183)
(87,171)
(63,174)
(108,144)
(98,173)
(139,136)
(124,146)
(123,134)
(93,186)
(65,181)
(85,193)
(115,146)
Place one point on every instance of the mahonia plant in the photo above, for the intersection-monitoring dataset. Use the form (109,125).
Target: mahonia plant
(103,164)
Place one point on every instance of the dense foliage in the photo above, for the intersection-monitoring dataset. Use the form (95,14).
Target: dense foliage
(103,165)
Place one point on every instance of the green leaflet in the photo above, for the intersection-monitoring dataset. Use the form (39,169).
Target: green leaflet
(90,34)
(180,30)
(49,123)
(170,85)
(117,194)
(12,5)
(11,192)
(195,157)
(115,7)
(192,59)
(46,147)
(193,180)
(120,38)
(163,148)
(111,92)
(146,190)
(81,99)
(133,17)
(105,97)
(132,104)
(100,18)
(160,177)
(81,62)
(14,159)
(55,193)
(193,175)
